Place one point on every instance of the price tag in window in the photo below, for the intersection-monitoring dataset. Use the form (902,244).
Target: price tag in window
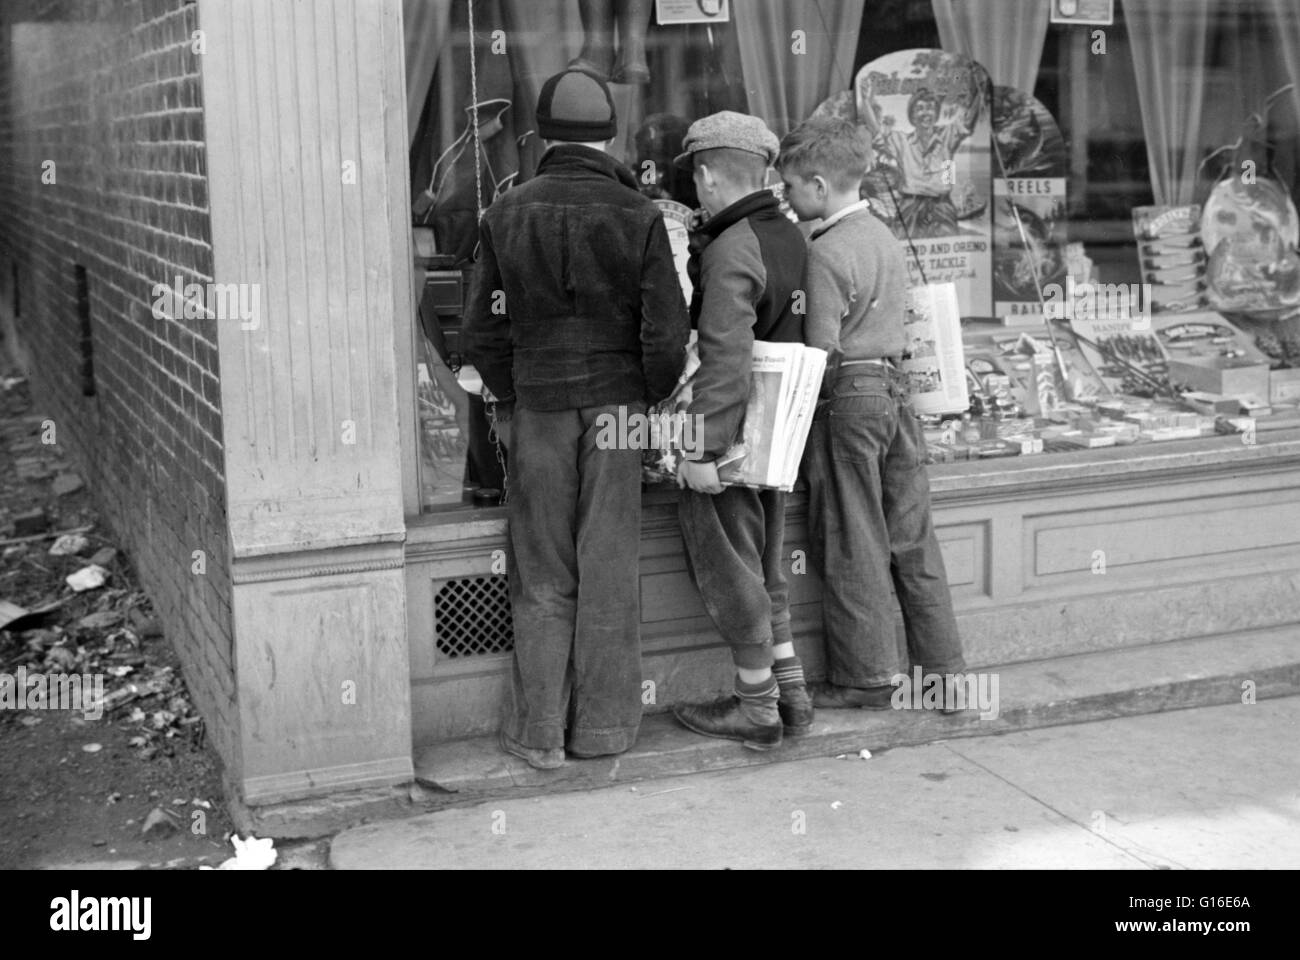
(692,11)
(1099,13)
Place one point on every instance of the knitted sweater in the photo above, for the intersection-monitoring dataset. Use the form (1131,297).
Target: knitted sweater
(857,291)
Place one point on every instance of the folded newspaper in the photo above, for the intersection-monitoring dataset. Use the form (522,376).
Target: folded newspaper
(785,381)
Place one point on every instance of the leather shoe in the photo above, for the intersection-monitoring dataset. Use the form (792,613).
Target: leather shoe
(537,759)
(757,727)
(796,710)
(828,695)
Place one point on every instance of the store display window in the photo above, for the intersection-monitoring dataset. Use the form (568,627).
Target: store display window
(1099,194)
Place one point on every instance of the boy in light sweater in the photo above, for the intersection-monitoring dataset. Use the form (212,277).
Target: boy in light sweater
(869,496)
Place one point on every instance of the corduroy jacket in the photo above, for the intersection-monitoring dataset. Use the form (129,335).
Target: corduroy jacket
(575,301)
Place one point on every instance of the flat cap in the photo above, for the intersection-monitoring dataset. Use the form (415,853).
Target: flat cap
(736,131)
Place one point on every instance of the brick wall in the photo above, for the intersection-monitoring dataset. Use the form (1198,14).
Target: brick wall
(109,91)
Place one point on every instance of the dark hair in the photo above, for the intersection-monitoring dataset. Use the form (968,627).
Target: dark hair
(833,148)
(738,167)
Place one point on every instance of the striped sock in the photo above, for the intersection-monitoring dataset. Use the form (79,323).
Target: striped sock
(789,672)
(765,691)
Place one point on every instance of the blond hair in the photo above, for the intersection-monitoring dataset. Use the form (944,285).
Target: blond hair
(836,150)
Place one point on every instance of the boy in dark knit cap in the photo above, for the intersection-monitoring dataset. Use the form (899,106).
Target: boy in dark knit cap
(747,266)
(869,523)
(575,313)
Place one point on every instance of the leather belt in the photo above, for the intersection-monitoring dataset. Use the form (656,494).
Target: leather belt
(886,364)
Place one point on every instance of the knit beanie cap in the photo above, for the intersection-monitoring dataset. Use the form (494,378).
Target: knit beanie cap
(575,106)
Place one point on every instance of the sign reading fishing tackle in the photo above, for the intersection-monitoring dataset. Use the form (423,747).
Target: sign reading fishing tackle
(928,115)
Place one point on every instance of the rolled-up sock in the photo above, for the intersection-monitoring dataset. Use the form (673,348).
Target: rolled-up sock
(789,672)
(760,692)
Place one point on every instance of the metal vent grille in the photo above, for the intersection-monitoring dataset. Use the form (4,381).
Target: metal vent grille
(471,617)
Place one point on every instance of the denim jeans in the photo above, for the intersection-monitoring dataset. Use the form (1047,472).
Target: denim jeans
(575,526)
(869,525)
(734,552)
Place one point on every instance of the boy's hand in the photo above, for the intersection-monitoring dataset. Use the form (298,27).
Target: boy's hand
(700,477)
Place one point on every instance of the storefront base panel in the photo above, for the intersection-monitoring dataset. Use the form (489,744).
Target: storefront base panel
(1072,555)
(322,673)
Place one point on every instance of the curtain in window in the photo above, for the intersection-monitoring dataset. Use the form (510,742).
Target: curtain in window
(542,37)
(1168,41)
(1286,18)
(424,24)
(785,86)
(1004,36)
(1284,119)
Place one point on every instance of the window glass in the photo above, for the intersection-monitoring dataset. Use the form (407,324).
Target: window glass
(1109,186)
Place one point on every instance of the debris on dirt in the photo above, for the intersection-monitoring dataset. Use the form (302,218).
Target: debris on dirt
(46,535)
(101,620)
(65,484)
(87,578)
(250,854)
(57,798)
(144,625)
(92,747)
(17,619)
(61,657)
(159,824)
(69,545)
(32,468)
(31,522)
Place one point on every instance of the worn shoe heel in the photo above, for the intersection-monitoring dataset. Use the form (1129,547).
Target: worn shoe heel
(796,709)
(728,718)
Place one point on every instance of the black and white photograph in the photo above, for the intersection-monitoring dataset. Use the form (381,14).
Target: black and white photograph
(639,435)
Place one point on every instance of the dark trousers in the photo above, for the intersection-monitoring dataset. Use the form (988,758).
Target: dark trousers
(482,468)
(575,525)
(734,551)
(869,525)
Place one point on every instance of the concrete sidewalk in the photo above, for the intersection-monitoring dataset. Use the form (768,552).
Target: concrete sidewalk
(1211,787)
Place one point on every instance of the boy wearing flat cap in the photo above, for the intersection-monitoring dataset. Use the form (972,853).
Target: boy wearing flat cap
(747,263)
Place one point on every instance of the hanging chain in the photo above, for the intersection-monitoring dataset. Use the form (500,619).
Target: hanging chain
(473,107)
(495,439)
(490,408)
